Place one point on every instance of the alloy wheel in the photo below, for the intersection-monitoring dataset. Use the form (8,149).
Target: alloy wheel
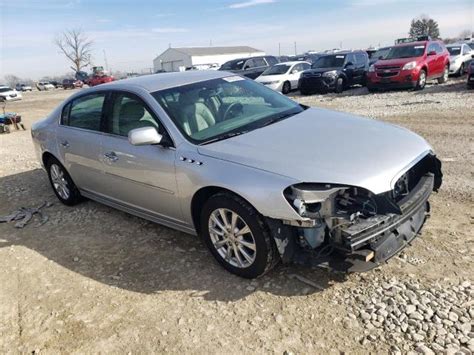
(232,238)
(422,79)
(59,182)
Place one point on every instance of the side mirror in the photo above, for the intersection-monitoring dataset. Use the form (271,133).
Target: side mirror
(349,65)
(144,136)
(430,53)
(294,71)
(472,56)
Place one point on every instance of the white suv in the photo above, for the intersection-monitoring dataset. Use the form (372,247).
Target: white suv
(459,58)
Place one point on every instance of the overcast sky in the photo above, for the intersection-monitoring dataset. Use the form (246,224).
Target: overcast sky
(132,33)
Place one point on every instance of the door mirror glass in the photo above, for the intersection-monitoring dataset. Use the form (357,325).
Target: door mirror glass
(432,53)
(144,136)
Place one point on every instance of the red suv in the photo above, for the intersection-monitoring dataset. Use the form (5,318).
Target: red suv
(410,65)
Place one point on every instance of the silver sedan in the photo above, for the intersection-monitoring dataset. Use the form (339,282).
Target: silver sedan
(259,177)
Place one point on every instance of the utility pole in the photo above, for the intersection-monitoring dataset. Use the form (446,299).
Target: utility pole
(279,49)
(295,48)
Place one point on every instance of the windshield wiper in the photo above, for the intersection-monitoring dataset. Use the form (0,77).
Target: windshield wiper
(223,137)
(278,118)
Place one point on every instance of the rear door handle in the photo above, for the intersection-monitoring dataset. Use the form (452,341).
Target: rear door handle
(65,144)
(111,156)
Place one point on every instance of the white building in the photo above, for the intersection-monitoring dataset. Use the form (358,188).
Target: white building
(178,59)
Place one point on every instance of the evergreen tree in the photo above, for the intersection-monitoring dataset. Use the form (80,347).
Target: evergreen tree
(424,26)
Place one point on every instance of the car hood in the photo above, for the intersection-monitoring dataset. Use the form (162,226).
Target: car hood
(325,146)
(399,61)
(267,78)
(321,70)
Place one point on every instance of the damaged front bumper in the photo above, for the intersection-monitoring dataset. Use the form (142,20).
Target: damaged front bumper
(366,243)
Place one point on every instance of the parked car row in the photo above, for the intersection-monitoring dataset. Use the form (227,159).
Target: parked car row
(409,64)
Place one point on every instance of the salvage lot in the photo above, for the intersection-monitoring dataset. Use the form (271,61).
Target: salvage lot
(94,279)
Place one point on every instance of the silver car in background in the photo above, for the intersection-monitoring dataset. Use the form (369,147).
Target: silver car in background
(258,176)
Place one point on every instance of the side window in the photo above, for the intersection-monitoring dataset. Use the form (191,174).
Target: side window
(431,48)
(259,62)
(306,66)
(350,59)
(129,112)
(86,112)
(271,60)
(360,59)
(249,64)
(65,114)
(438,48)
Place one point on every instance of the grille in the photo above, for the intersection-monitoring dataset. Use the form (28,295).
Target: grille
(387,75)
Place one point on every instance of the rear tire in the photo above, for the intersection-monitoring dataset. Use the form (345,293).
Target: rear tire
(62,184)
(286,88)
(237,236)
(461,70)
(445,76)
(421,83)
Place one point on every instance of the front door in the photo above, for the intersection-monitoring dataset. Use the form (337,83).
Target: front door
(142,177)
(79,139)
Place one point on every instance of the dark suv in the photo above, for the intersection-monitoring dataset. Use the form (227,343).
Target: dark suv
(335,72)
(251,67)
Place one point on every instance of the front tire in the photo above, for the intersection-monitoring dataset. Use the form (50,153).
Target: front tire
(339,85)
(421,83)
(461,70)
(445,76)
(62,184)
(286,88)
(237,236)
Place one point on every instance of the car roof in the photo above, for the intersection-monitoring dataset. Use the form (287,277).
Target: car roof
(292,62)
(156,82)
(416,43)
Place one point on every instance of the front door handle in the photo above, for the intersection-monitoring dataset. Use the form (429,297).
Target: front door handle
(111,156)
(65,144)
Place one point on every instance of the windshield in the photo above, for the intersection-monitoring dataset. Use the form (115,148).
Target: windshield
(233,65)
(381,53)
(277,69)
(329,61)
(454,50)
(5,89)
(221,108)
(406,52)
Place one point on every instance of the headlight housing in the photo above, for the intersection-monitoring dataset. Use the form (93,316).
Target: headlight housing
(409,66)
(330,74)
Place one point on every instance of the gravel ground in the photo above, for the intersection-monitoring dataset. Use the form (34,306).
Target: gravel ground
(93,279)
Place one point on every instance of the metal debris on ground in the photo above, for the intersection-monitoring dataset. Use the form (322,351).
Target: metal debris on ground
(23,215)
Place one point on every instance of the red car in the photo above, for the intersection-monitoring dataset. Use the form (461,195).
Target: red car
(97,80)
(410,65)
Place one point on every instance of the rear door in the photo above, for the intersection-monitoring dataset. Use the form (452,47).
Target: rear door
(142,177)
(79,140)
(361,62)
(432,61)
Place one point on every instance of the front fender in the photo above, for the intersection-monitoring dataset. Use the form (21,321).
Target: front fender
(262,189)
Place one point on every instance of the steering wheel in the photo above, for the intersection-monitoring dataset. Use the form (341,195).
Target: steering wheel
(233,106)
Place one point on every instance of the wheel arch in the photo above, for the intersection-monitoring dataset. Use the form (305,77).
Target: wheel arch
(202,195)
(46,156)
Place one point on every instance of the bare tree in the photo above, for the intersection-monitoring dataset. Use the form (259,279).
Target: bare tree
(75,45)
(12,80)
